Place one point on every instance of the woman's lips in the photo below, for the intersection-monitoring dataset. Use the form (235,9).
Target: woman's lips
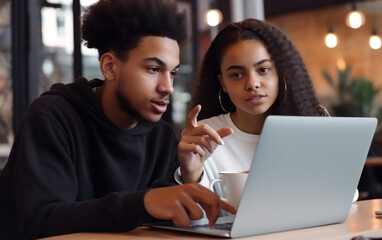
(256,99)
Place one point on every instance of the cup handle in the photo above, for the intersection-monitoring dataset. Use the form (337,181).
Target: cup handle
(212,183)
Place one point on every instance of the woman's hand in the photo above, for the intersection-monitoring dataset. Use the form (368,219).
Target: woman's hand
(196,144)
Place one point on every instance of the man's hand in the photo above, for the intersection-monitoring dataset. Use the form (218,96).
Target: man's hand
(196,144)
(180,203)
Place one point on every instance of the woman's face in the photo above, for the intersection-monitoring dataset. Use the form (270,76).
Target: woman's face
(249,76)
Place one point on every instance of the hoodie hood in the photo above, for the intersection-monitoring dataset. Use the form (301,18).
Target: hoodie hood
(80,95)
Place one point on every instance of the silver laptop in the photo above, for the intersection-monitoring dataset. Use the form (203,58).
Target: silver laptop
(304,173)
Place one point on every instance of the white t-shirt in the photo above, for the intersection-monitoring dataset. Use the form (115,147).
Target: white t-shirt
(237,152)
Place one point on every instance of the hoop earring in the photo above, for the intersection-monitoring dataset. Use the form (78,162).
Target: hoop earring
(285,88)
(220,100)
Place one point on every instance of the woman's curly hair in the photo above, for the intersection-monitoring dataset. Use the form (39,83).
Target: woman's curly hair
(296,93)
(118,25)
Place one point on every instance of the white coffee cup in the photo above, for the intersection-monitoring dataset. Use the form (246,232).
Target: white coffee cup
(232,185)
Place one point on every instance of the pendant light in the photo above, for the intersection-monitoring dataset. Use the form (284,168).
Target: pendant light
(375,41)
(355,18)
(331,39)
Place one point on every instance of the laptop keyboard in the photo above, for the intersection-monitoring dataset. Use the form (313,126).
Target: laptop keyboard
(221,226)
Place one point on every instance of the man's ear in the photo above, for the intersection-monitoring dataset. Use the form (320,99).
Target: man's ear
(108,66)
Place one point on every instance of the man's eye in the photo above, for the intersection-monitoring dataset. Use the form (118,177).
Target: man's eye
(174,73)
(153,69)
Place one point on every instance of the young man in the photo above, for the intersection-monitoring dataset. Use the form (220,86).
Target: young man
(95,155)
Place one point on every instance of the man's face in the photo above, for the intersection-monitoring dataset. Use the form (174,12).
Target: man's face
(144,81)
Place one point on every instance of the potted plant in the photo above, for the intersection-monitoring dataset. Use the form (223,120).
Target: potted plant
(355,95)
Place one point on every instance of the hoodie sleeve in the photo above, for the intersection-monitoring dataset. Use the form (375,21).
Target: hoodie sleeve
(45,185)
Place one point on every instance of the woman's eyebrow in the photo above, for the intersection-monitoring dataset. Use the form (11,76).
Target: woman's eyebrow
(261,62)
(254,65)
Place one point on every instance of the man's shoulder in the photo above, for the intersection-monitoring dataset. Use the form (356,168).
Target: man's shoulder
(47,103)
(52,108)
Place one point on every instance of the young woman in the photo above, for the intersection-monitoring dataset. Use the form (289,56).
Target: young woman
(250,71)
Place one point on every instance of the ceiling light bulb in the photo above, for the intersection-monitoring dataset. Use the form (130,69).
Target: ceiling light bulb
(213,17)
(331,40)
(355,19)
(375,41)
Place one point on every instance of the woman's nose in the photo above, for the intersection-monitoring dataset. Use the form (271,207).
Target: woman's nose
(253,82)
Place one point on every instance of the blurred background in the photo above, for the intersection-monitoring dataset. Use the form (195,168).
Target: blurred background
(40,45)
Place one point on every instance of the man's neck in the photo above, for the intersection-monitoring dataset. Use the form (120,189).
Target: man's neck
(110,106)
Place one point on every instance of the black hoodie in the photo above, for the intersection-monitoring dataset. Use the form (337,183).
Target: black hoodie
(73,170)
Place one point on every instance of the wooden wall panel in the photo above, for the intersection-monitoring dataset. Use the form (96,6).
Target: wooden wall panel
(307,30)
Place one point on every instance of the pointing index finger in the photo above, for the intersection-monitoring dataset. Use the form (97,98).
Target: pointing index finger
(192,120)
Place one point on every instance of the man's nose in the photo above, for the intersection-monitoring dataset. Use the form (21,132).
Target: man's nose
(166,83)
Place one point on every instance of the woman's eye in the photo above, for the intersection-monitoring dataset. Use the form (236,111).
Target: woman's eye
(236,75)
(264,70)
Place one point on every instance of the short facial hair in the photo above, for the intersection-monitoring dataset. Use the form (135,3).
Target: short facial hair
(126,106)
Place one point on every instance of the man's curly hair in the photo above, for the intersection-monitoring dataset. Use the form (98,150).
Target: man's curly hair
(296,93)
(119,25)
